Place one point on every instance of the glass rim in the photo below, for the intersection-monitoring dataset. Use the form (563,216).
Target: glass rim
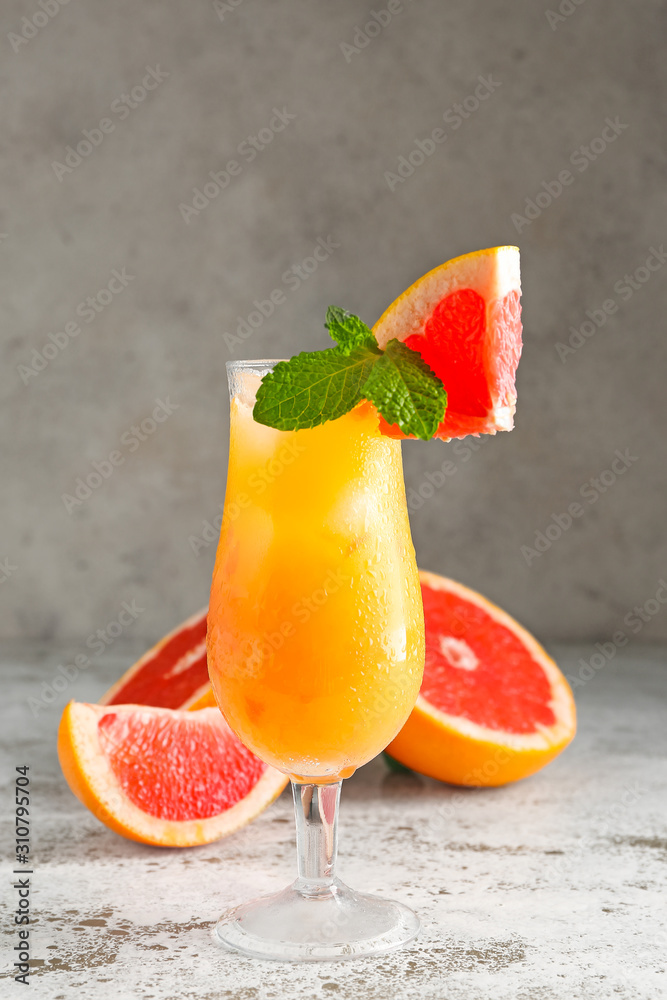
(251,365)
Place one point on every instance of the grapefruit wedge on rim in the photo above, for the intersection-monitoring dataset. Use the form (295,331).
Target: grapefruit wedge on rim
(493,706)
(164,777)
(464,318)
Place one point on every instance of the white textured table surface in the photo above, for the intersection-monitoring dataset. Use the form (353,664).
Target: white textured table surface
(551,888)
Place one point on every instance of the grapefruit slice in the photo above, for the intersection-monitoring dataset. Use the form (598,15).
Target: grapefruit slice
(464,318)
(493,706)
(165,777)
(172,674)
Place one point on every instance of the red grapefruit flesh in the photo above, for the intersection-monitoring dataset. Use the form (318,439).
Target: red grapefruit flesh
(165,777)
(493,706)
(464,318)
(172,674)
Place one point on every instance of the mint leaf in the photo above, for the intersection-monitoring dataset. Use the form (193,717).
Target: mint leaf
(313,387)
(405,391)
(317,386)
(348,330)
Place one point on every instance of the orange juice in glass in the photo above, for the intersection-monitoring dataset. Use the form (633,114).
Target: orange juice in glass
(315,649)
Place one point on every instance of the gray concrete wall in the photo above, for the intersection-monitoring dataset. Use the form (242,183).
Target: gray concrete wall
(161,337)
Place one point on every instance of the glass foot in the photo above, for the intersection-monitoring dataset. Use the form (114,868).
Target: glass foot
(333,923)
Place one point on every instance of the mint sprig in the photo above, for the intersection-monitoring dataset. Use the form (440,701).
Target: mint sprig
(348,330)
(316,386)
(313,387)
(406,392)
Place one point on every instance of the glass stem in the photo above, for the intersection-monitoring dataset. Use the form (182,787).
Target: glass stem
(316,810)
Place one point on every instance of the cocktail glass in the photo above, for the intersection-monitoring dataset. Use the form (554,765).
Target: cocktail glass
(315,650)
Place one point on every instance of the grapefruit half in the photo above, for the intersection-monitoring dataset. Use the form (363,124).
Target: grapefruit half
(493,706)
(172,674)
(165,777)
(464,318)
